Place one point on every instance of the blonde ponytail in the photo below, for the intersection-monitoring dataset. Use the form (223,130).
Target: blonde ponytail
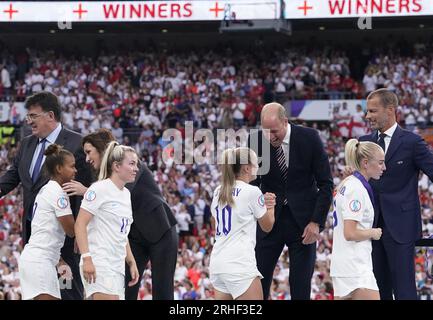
(114,153)
(355,151)
(228,178)
(233,159)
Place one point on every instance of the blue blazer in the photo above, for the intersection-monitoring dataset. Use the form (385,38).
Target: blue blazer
(396,192)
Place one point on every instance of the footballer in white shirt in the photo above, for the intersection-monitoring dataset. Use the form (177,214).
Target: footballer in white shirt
(52,218)
(103,224)
(351,262)
(236,208)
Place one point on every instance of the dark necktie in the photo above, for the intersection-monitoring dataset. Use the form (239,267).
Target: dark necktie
(37,168)
(281,160)
(381,141)
(35,173)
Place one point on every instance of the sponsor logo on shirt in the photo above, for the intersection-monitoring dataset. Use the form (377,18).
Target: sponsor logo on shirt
(342,190)
(355,205)
(261,201)
(90,196)
(62,202)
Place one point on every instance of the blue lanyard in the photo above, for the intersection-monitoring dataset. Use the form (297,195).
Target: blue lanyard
(366,185)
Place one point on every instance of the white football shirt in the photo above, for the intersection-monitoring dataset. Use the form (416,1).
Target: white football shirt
(351,202)
(108,230)
(47,237)
(235,234)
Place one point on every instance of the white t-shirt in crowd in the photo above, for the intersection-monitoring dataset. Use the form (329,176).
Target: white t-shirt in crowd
(183,220)
(47,237)
(235,234)
(351,258)
(369,83)
(108,230)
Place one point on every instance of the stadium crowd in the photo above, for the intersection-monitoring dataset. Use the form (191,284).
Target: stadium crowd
(138,95)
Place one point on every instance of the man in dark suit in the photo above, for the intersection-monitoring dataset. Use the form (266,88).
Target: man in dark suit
(396,197)
(152,237)
(300,176)
(44,116)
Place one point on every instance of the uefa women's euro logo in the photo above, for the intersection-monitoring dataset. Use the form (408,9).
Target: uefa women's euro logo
(62,203)
(90,195)
(355,205)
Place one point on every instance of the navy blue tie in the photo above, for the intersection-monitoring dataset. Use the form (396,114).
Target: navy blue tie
(381,141)
(37,168)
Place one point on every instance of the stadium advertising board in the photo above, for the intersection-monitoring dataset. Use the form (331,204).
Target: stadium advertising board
(134,11)
(145,11)
(310,9)
(322,110)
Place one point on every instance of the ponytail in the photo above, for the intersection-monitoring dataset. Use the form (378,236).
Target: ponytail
(228,178)
(355,151)
(114,153)
(233,159)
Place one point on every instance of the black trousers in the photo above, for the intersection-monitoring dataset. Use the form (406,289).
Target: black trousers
(302,257)
(70,289)
(75,291)
(163,258)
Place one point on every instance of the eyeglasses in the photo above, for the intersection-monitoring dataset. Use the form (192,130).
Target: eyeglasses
(34,116)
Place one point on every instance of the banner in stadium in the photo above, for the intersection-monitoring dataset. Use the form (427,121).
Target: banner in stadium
(18,111)
(323,110)
(124,11)
(206,10)
(310,9)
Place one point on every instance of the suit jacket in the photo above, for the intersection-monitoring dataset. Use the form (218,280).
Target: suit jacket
(396,192)
(19,172)
(309,184)
(145,197)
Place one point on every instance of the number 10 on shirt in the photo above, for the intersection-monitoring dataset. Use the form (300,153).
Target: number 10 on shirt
(224,219)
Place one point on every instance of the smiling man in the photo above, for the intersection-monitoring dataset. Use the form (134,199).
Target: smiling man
(44,116)
(397,208)
(300,177)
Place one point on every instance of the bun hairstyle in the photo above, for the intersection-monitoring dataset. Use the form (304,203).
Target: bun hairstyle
(115,152)
(52,149)
(55,156)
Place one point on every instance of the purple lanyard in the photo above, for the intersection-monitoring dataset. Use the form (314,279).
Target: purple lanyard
(366,185)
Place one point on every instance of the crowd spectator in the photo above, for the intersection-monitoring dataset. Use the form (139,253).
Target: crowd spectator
(139,94)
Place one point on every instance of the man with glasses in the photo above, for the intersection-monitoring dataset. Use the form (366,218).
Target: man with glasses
(44,118)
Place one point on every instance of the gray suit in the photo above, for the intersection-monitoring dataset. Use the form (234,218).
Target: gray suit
(19,172)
